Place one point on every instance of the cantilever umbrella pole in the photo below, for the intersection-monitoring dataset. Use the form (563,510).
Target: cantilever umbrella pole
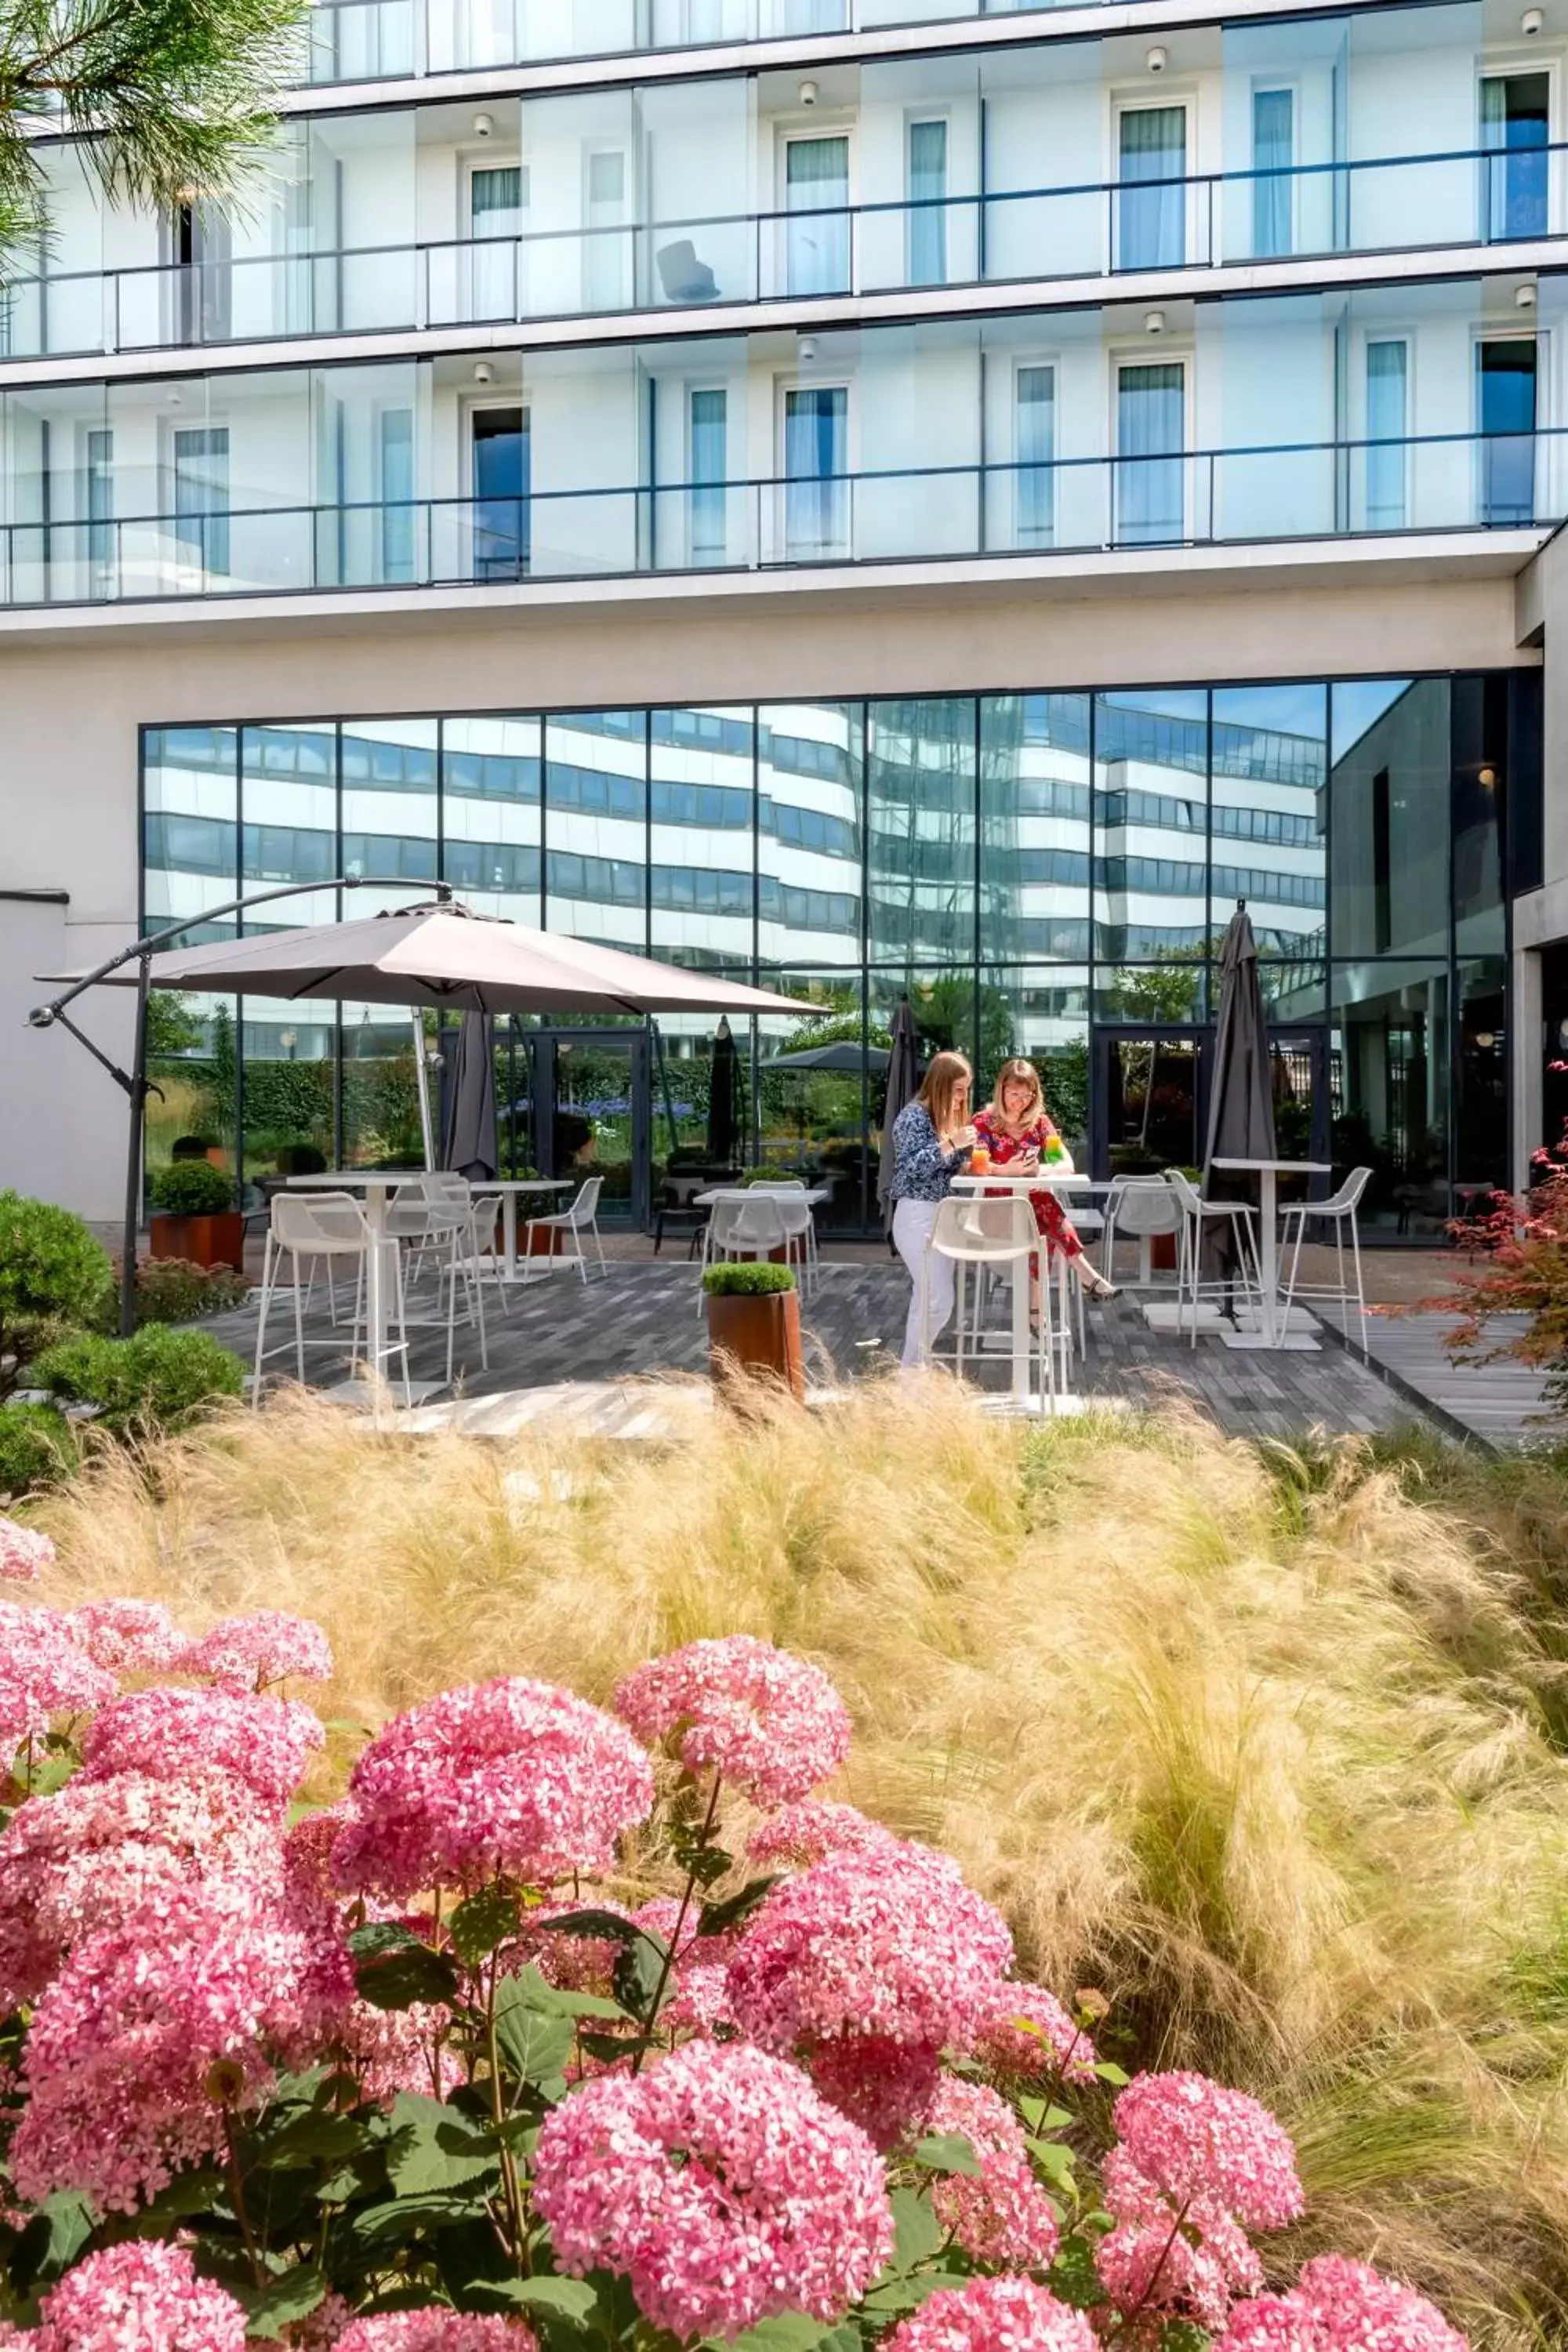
(135,1082)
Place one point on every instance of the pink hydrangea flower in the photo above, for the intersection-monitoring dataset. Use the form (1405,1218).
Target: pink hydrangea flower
(1205,2149)
(24,1551)
(152,2027)
(143,2296)
(126,1636)
(511,1778)
(435,2329)
(885,2087)
(722,2186)
(1024,2031)
(44,1673)
(771,1724)
(807,1833)
(191,1734)
(1160,2267)
(89,1856)
(992,2315)
(245,1654)
(892,1943)
(1338,2306)
(698,1999)
(1001,2217)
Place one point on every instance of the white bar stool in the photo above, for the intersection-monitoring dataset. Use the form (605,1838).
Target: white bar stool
(991,1236)
(326,1225)
(1340,1210)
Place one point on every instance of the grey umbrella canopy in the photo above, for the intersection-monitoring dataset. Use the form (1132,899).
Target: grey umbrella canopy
(469,1133)
(724,1099)
(1241,1093)
(843,1055)
(903,1084)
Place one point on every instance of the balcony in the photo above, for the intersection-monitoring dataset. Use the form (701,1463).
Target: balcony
(1170,497)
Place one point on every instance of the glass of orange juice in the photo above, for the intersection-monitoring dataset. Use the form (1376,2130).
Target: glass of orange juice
(978,1159)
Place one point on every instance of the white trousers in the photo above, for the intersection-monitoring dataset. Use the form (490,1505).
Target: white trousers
(913,1223)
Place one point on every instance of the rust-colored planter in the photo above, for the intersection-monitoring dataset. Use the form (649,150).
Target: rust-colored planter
(1163,1252)
(542,1240)
(203,1241)
(758,1337)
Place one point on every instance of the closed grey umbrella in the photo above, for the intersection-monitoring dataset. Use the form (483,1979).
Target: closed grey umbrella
(468,1137)
(903,1084)
(724,1099)
(1241,1091)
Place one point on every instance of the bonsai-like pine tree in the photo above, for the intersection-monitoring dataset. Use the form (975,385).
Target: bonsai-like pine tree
(174,100)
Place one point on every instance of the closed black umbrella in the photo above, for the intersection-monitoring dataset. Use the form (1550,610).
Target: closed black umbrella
(1241,1092)
(469,1132)
(723,1100)
(903,1084)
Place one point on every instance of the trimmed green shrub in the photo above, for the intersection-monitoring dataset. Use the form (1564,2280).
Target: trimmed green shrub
(747,1281)
(192,1147)
(157,1379)
(38,1448)
(301,1159)
(52,1274)
(769,1174)
(193,1188)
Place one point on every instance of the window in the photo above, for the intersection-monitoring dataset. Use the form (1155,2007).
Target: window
(1153,201)
(1150,403)
(395,458)
(502,484)
(816,199)
(1514,130)
(816,493)
(709,436)
(1386,435)
(201,247)
(201,496)
(1273,153)
(498,201)
(97,504)
(1035,402)
(1506,414)
(605,275)
(927,257)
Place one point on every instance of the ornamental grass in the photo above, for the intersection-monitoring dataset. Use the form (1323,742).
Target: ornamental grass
(1266,1748)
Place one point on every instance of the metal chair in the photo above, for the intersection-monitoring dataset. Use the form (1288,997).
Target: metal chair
(799,1223)
(1142,1207)
(582,1217)
(322,1226)
(1340,1210)
(991,1236)
(741,1225)
(1200,1216)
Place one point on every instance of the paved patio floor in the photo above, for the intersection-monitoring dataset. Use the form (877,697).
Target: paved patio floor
(643,1319)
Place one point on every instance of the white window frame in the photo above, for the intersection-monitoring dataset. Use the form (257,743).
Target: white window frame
(689,392)
(1509,66)
(913,116)
(1510,332)
(784,382)
(1156,353)
(1144,101)
(471,162)
(789,132)
(1022,360)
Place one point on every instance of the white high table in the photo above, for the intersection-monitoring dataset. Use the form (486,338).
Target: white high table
(1270,1332)
(814,1197)
(378,1185)
(1041,1179)
(512,1268)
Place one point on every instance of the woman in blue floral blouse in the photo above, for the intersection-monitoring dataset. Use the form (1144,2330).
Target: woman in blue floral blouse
(931,1140)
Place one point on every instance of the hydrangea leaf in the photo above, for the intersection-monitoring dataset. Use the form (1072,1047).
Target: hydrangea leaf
(292,2296)
(947,2152)
(436,2146)
(481,1922)
(919,2233)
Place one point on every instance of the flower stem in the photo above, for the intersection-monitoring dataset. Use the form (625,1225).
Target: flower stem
(497,2115)
(1154,2279)
(237,2188)
(704,1837)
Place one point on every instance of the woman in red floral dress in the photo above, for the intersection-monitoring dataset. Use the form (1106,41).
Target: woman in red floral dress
(1016,1128)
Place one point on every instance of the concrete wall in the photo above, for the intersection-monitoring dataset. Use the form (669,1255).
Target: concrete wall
(69,712)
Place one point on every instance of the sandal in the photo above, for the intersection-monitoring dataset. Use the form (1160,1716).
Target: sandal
(1098,1287)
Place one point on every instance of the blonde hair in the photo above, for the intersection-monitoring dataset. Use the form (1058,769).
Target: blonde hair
(1017,1072)
(947,1073)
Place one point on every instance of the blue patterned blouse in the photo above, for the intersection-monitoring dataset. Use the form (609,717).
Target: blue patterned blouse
(922,1171)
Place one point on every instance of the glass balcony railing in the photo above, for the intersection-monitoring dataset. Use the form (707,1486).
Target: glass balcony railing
(1165,499)
(1405,204)
(380,41)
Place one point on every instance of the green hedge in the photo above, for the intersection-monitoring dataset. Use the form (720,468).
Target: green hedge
(52,1274)
(158,1379)
(38,1448)
(757,1281)
(193,1188)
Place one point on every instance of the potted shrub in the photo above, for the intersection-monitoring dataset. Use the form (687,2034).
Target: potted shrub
(195,1215)
(753,1325)
(199,1147)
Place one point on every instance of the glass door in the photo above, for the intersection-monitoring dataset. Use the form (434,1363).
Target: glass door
(498,207)
(816,467)
(502,481)
(1505,403)
(1149,1102)
(1515,109)
(816,199)
(1150,440)
(589,1100)
(1151,205)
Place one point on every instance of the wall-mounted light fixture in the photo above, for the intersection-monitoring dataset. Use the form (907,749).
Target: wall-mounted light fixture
(1487,778)
(809,347)
(1153,323)
(483,125)
(809,94)
(1524,298)
(1158,58)
(483,372)
(1532,22)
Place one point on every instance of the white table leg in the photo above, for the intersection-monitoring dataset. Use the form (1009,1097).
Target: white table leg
(509,1236)
(1021,1351)
(1269,1195)
(375,1290)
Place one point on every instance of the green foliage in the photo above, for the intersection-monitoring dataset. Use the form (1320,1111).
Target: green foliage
(953,1016)
(157,1379)
(37,1448)
(171,99)
(193,1188)
(174,1290)
(53,1274)
(301,1159)
(769,1174)
(171,1027)
(747,1281)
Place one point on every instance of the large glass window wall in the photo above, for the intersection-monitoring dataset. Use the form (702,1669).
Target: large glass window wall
(1391,129)
(1263,419)
(1045,873)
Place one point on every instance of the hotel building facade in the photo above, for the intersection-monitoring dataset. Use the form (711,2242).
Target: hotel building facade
(878,497)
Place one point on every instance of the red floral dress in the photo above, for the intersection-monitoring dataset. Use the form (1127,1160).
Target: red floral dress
(1050,1218)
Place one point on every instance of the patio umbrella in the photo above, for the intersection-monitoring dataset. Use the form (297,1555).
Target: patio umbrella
(469,1132)
(444,955)
(903,1084)
(1241,1094)
(845,1055)
(723,1100)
